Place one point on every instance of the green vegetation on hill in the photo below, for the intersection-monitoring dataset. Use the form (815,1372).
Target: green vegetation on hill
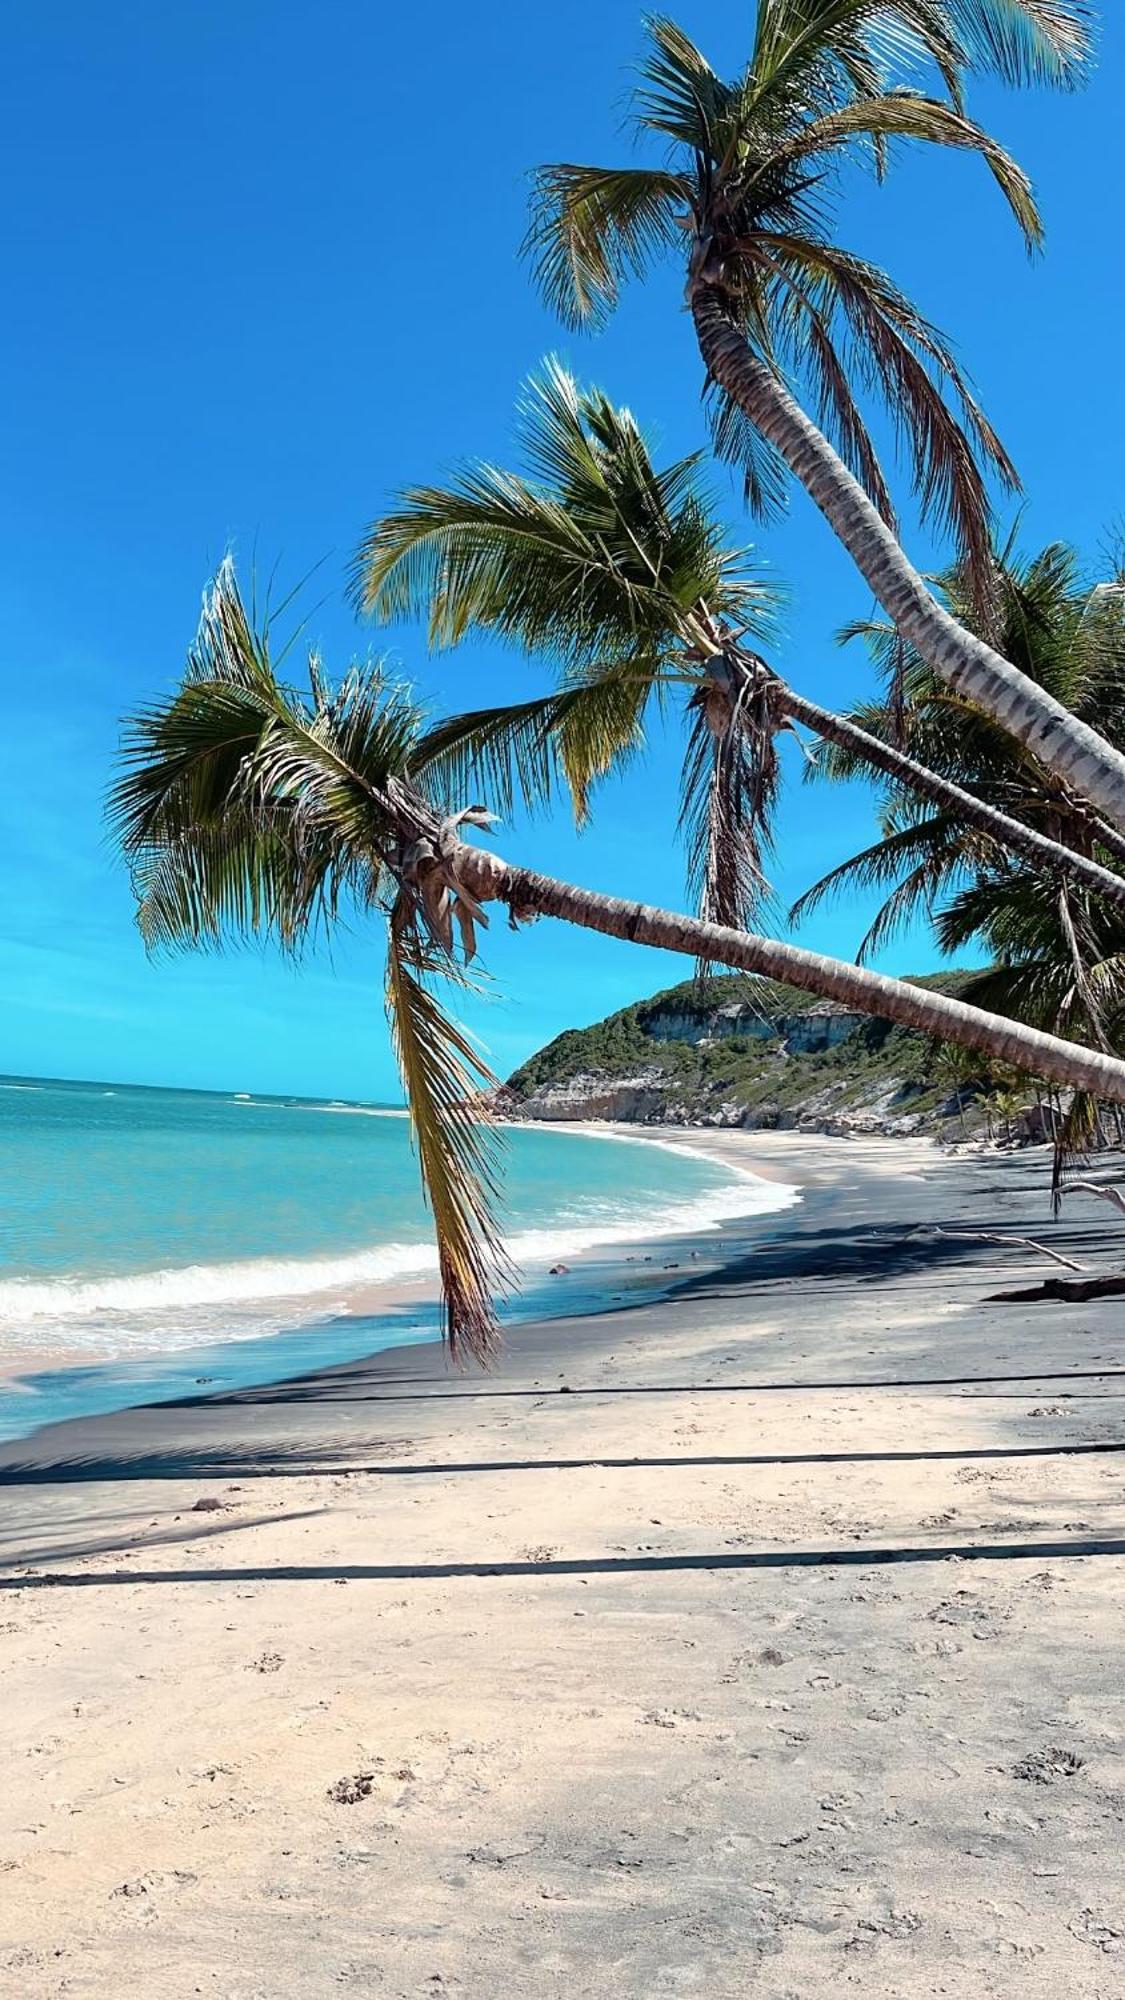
(875,1069)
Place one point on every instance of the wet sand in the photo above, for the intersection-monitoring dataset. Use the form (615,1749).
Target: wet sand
(762,1635)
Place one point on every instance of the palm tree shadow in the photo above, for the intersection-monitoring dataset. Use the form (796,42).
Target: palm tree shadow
(139,1543)
(872,1557)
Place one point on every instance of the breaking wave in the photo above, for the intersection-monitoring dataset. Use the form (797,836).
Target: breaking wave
(176,1308)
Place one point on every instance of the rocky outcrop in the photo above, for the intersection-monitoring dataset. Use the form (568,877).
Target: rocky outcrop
(631,1100)
(649,1100)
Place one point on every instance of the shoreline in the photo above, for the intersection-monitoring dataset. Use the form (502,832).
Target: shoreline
(148,1372)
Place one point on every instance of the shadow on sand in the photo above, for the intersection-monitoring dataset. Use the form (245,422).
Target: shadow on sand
(766,1559)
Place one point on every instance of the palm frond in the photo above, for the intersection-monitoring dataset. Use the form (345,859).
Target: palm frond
(522,753)
(601,555)
(928,849)
(825,48)
(231,881)
(680,96)
(593,227)
(858,44)
(1027,41)
(458,1145)
(908,114)
(913,364)
(738,442)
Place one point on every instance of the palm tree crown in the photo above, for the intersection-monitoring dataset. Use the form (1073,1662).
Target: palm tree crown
(750,195)
(621,572)
(247,806)
(749,192)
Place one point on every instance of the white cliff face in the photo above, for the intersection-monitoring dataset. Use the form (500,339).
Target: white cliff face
(636,1100)
(651,1098)
(822,1027)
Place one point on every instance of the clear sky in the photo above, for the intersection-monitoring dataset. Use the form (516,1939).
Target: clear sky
(260,270)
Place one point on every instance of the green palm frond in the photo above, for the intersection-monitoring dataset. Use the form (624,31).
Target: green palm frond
(832,47)
(458,1145)
(864,41)
(680,96)
(231,881)
(883,338)
(908,114)
(524,753)
(1026,41)
(738,442)
(599,554)
(927,854)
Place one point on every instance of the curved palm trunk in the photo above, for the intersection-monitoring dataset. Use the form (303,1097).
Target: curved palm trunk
(528,894)
(1063,744)
(1011,834)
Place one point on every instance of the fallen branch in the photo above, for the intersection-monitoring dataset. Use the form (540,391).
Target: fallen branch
(1074,1289)
(1017,1243)
(1103,1193)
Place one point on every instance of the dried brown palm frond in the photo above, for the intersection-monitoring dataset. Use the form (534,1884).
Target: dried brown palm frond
(1076,1136)
(729,791)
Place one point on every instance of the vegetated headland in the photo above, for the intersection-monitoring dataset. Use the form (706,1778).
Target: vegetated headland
(730,1051)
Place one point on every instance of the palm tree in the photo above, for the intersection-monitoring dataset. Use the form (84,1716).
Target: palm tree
(1057,946)
(620,571)
(247,807)
(747,195)
(1068,636)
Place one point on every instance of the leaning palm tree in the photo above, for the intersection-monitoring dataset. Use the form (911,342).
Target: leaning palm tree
(747,195)
(620,571)
(248,807)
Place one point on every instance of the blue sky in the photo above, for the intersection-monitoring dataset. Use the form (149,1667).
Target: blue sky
(260,270)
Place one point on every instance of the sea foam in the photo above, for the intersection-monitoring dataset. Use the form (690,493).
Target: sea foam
(176,1308)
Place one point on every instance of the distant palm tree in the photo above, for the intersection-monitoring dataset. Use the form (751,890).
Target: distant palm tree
(747,196)
(1056,944)
(248,807)
(621,572)
(1059,945)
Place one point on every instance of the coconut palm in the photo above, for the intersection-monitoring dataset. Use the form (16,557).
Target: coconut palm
(1068,636)
(747,195)
(248,807)
(621,572)
(1057,945)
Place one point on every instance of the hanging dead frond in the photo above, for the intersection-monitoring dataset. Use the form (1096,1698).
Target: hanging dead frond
(730,784)
(1076,1135)
(1083,991)
(432,881)
(457,1141)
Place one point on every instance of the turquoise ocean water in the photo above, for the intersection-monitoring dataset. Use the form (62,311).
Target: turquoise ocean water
(148,1237)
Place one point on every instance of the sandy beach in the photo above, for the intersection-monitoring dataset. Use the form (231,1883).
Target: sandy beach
(763,1635)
